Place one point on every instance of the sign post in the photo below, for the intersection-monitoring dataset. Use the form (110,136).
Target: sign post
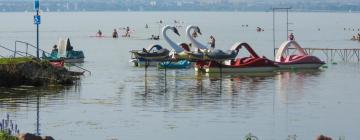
(37,21)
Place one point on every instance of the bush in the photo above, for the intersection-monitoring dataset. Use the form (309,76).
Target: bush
(6,136)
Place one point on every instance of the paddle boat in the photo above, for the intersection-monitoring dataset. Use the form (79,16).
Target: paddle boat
(64,51)
(154,53)
(298,60)
(206,53)
(180,64)
(175,63)
(162,59)
(57,64)
(150,56)
(189,55)
(198,53)
(253,63)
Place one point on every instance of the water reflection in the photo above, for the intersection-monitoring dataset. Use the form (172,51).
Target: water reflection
(295,83)
(14,100)
(189,91)
(24,96)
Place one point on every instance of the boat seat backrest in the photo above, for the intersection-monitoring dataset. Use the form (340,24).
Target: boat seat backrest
(282,59)
(290,58)
(248,59)
(237,62)
(232,62)
(296,57)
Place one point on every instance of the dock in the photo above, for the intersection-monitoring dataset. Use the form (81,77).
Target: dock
(333,54)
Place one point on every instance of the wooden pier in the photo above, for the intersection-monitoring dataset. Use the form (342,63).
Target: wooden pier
(332,54)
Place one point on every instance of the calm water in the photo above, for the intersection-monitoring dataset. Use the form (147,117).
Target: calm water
(117,101)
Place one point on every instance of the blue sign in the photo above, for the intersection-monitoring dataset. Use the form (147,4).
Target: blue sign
(37,19)
(37,5)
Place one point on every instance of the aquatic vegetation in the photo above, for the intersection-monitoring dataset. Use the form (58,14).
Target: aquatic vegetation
(8,129)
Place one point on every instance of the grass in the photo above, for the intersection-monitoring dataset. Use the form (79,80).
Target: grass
(15,60)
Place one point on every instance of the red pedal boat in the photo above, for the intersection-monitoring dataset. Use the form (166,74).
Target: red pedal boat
(299,60)
(250,64)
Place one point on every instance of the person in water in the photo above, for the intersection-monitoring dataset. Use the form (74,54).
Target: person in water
(322,137)
(99,33)
(212,42)
(258,29)
(127,33)
(291,36)
(115,34)
(155,37)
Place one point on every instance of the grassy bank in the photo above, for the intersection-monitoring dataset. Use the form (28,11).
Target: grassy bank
(25,71)
(14,60)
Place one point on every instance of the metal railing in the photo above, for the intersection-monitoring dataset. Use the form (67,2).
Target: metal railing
(27,48)
(43,51)
(12,51)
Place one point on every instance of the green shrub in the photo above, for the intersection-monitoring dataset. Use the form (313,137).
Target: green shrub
(5,136)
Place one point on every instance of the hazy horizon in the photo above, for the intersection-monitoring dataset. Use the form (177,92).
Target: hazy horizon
(180,5)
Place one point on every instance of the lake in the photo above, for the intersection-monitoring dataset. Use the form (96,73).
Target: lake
(117,101)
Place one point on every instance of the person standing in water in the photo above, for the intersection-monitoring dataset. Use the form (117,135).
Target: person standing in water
(291,37)
(115,34)
(99,33)
(212,42)
(127,33)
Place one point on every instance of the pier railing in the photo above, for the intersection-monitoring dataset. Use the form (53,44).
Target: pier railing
(10,52)
(26,51)
(30,46)
(331,54)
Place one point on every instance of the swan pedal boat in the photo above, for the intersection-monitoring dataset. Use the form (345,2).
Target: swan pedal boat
(158,56)
(206,53)
(219,55)
(251,64)
(154,53)
(301,60)
(189,55)
(142,62)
